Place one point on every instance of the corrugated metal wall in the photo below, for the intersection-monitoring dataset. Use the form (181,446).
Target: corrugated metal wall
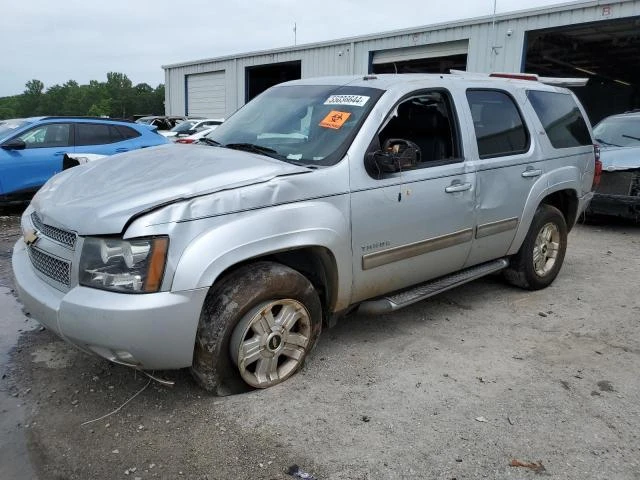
(491,48)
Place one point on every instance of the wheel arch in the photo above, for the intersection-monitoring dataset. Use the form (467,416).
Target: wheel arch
(563,196)
(316,263)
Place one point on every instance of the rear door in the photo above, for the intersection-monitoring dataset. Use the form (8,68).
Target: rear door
(24,171)
(507,167)
(101,138)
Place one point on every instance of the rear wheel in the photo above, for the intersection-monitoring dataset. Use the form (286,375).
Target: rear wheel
(541,255)
(256,328)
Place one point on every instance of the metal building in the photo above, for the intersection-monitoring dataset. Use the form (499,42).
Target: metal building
(594,39)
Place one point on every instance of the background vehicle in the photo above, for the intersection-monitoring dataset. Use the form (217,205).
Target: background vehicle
(161,122)
(196,136)
(317,198)
(189,127)
(31,150)
(618,193)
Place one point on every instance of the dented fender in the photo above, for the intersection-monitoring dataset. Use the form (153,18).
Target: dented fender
(257,233)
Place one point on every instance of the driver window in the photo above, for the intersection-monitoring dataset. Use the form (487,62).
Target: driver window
(427,121)
(44,136)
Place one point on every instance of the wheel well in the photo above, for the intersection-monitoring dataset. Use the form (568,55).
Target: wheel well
(316,263)
(567,202)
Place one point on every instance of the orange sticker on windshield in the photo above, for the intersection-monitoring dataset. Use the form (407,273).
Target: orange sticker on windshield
(335,119)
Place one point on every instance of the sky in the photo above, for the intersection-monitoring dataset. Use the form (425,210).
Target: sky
(82,40)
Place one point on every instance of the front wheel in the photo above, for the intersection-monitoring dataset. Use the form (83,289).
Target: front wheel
(540,257)
(257,327)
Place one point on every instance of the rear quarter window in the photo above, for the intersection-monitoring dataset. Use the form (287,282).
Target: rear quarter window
(561,118)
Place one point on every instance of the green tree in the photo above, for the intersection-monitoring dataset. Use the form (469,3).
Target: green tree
(117,97)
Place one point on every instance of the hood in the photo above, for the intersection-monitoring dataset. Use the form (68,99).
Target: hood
(101,196)
(619,158)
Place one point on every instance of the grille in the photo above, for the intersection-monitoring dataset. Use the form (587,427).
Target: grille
(61,236)
(52,267)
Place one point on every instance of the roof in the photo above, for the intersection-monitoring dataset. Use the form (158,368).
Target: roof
(386,81)
(407,31)
(76,117)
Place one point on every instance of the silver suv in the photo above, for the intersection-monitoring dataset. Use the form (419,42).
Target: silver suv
(319,197)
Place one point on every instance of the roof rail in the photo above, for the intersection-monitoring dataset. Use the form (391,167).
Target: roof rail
(555,81)
(84,117)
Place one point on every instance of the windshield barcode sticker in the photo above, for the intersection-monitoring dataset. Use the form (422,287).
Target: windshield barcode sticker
(355,100)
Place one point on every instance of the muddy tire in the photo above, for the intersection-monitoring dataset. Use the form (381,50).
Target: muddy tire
(540,257)
(256,328)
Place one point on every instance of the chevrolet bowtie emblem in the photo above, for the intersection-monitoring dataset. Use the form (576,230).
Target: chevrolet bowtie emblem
(30,236)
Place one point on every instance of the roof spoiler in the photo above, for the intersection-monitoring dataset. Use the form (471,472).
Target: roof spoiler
(555,81)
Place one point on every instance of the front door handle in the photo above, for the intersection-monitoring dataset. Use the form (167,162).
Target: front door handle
(59,153)
(120,150)
(457,187)
(532,172)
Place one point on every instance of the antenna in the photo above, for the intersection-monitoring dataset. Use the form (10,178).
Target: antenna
(295,33)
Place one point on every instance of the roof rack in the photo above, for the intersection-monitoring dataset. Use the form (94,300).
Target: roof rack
(83,117)
(555,81)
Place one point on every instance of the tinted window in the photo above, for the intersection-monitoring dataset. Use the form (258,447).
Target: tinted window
(126,132)
(92,134)
(561,118)
(49,135)
(498,123)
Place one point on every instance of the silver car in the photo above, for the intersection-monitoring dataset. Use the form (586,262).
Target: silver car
(317,198)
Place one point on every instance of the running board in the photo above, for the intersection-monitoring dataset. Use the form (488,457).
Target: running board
(404,298)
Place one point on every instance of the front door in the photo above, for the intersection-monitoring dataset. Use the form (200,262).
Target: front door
(414,225)
(25,171)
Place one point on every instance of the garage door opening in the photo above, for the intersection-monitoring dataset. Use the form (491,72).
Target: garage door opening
(606,52)
(259,78)
(205,95)
(432,58)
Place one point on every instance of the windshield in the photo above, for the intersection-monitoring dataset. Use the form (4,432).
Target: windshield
(183,127)
(7,127)
(146,120)
(309,124)
(618,132)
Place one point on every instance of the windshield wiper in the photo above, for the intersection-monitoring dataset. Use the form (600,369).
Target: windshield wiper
(599,140)
(209,141)
(250,147)
(631,137)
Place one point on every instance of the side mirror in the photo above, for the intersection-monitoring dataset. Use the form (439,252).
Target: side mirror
(15,144)
(396,155)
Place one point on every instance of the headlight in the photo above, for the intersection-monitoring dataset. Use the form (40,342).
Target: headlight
(132,266)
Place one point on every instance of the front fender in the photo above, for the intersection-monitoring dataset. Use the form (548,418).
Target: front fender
(257,233)
(566,178)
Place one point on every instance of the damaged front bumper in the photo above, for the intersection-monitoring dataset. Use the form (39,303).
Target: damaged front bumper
(152,331)
(618,195)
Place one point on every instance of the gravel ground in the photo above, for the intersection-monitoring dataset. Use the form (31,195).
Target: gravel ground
(459,386)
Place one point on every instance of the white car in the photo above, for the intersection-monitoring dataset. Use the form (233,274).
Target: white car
(196,136)
(189,127)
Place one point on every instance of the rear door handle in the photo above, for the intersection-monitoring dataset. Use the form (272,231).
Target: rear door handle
(457,187)
(59,153)
(120,150)
(532,172)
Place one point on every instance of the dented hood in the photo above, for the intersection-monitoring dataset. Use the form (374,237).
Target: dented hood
(619,158)
(101,196)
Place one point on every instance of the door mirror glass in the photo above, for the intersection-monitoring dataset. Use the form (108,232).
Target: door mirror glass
(15,144)
(396,155)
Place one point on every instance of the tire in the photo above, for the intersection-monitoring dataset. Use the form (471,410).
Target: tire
(256,328)
(547,240)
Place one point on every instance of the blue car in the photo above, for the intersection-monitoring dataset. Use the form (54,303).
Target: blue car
(32,149)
